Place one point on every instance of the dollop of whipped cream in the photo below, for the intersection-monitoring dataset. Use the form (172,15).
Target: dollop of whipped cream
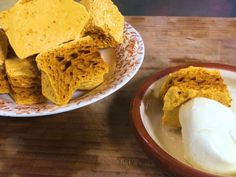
(209,135)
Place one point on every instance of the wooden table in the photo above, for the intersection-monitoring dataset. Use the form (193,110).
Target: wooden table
(98,140)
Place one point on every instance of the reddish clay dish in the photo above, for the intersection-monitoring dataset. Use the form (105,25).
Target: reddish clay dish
(147,130)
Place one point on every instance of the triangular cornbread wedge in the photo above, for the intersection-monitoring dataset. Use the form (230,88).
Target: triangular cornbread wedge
(33,26)
(66,68)
(187,84)
(25,81)
(107,24)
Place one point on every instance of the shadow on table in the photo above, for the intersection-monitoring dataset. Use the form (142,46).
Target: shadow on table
(52,146)
(132,156)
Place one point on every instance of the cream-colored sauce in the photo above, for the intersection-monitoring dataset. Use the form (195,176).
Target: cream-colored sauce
(170,139)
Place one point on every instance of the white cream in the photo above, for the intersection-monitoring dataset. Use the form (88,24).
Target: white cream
(209,135)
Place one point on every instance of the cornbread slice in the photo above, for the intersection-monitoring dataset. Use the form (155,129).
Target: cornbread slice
(107,24)
(187,84)
(25,81)
(23,73)
(68,67)
(49,23)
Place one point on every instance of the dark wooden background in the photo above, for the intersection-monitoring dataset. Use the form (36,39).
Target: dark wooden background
(212,8)
(206,8)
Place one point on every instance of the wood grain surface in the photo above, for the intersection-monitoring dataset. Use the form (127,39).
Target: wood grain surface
(97,140)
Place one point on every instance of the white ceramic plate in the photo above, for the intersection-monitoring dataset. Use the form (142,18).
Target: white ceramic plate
(170,139)
(124,61)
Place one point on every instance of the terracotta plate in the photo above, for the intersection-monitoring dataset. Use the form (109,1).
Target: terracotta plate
(164,144)
(124,61)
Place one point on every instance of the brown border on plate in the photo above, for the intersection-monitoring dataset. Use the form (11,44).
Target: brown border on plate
(164,160)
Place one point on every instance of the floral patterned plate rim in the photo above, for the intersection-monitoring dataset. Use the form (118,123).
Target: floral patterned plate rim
(129,58)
